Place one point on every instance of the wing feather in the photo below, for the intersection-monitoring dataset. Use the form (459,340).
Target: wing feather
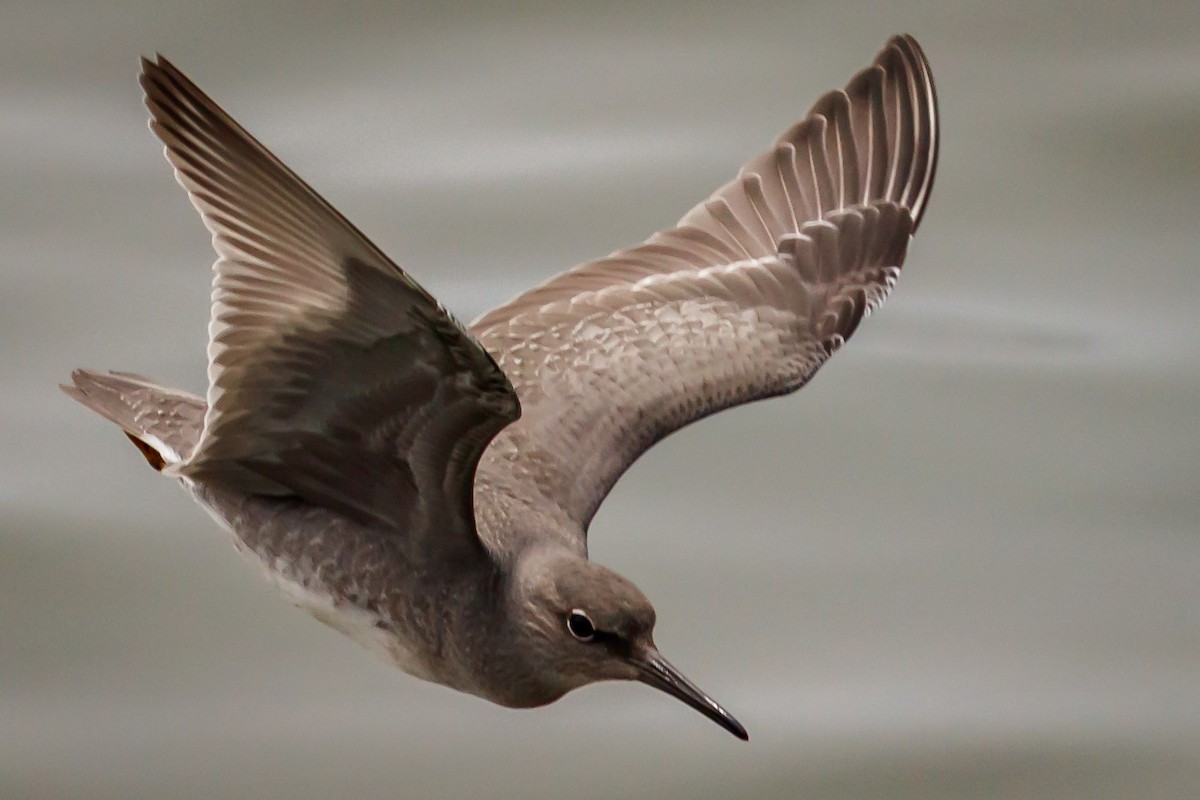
(745,298)
(333,375)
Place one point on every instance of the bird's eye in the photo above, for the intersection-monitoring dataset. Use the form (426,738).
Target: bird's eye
(580,626)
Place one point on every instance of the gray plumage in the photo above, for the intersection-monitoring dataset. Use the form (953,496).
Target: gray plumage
(427,488)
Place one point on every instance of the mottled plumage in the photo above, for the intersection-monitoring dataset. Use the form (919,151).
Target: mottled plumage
(427,488)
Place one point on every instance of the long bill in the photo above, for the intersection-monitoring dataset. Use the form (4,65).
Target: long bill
(656,671)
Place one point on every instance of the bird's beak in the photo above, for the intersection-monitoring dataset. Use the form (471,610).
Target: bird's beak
(656,671)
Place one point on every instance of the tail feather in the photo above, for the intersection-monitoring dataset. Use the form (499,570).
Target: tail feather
(164,424)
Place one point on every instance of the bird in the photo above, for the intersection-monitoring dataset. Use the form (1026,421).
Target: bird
(426,487)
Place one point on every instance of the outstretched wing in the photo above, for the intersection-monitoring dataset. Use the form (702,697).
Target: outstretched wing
(746,298)
(332,375)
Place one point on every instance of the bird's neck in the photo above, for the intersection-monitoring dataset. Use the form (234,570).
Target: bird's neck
(515,674)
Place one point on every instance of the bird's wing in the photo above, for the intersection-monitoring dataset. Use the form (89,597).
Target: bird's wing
(333,376)
(744,299)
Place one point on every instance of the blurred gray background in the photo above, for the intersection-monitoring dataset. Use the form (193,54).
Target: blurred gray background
(963,563)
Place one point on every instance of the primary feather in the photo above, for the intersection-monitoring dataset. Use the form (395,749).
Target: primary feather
(745,298)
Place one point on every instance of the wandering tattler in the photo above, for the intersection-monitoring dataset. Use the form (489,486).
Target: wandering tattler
(426,488)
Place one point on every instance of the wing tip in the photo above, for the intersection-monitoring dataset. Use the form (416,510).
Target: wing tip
(151,69)
(165,87)
(156,65)
(900,70)
(916,63)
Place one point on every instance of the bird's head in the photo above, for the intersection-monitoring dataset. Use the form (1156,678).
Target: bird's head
(584,623)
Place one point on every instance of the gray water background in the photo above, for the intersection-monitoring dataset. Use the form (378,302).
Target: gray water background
(963,563)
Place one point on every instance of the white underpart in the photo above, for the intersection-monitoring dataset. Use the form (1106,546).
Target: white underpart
(169,454)
(312,597)
(357,623)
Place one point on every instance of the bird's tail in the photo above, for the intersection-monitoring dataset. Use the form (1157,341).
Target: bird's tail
(165,424)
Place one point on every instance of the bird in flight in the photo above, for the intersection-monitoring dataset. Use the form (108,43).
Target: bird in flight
(426,488)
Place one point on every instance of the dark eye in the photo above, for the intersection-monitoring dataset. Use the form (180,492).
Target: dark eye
(580,626)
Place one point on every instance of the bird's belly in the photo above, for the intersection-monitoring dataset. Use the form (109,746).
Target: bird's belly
(308,593)
(367,628)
